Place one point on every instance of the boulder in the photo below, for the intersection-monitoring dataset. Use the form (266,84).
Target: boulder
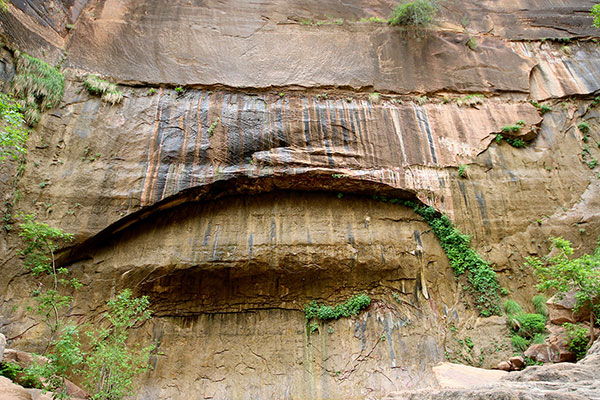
(450,375)
(558,341)
(22,358)
(540,352)
(561,309)
(12,391)
(517,362)
(504,366)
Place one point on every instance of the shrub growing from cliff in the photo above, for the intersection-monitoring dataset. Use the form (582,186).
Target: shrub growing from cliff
(37,85)
(13,134)
(99,87)
(350,308)
(596,14)
(414,14)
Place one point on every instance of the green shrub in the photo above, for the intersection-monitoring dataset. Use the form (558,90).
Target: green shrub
(511,128)
(37,85)
(518,143)
(13,134)
(530,324)
(539,338)
(374,98)
(578,339)
(417,13)
(462,171)
(520,344)
(511,307)
(352,307)
(10,370)
(584,127)
(539,303)
(470,100)
(99,87)
(472,43)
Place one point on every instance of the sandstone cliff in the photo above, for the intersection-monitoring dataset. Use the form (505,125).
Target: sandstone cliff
(231,230)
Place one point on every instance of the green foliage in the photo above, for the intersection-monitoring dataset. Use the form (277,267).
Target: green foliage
(13,133)
(562,274)
(213,126)
(374,98)
(584,127)
(37,85)
(512,308)
(462,171)
(596,14)
(483,284)
(518,143)
(530,324)
(373,20)
(519,343)
(545,109)
(470,100)
(539,303)
(66,355)
(179,90)
(351,307)
(504,291)
(578,339)
(111,365)
(511,129)
(539,338)
(416,13)
(472,43)
(10,370)
(106,89)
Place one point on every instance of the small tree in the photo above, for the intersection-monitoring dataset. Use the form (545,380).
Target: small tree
(563,274)
(111,365)
(416,14)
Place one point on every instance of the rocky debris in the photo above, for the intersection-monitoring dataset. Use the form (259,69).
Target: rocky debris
(541,353)
(558,341)
(562,309)
(565,381)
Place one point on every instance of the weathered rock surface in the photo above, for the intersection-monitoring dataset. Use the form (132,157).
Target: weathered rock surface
(230,232)
(12,391)
(555,381)
(562,309)
(456,376)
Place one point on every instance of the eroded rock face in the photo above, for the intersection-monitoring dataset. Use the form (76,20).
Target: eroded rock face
(231,230)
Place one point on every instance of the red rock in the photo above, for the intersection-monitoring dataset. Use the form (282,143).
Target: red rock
(504,366)
(517,362)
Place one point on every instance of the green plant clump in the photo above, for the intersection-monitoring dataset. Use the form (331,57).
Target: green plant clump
(519,343)
(482,280)
(578,339)
(512,308)
(584,127)
(462,171)
(213,126)
(100,87)
(351,307)
(539,303)
(416,14)
(112,365)
(13,133)
(37,85)
(527,325)
(470,100)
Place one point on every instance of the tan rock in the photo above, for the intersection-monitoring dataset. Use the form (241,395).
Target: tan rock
(558,342)
(12,391)
(504,366)
(450,375)
(22,358)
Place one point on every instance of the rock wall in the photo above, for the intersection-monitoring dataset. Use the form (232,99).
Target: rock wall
(231,230)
